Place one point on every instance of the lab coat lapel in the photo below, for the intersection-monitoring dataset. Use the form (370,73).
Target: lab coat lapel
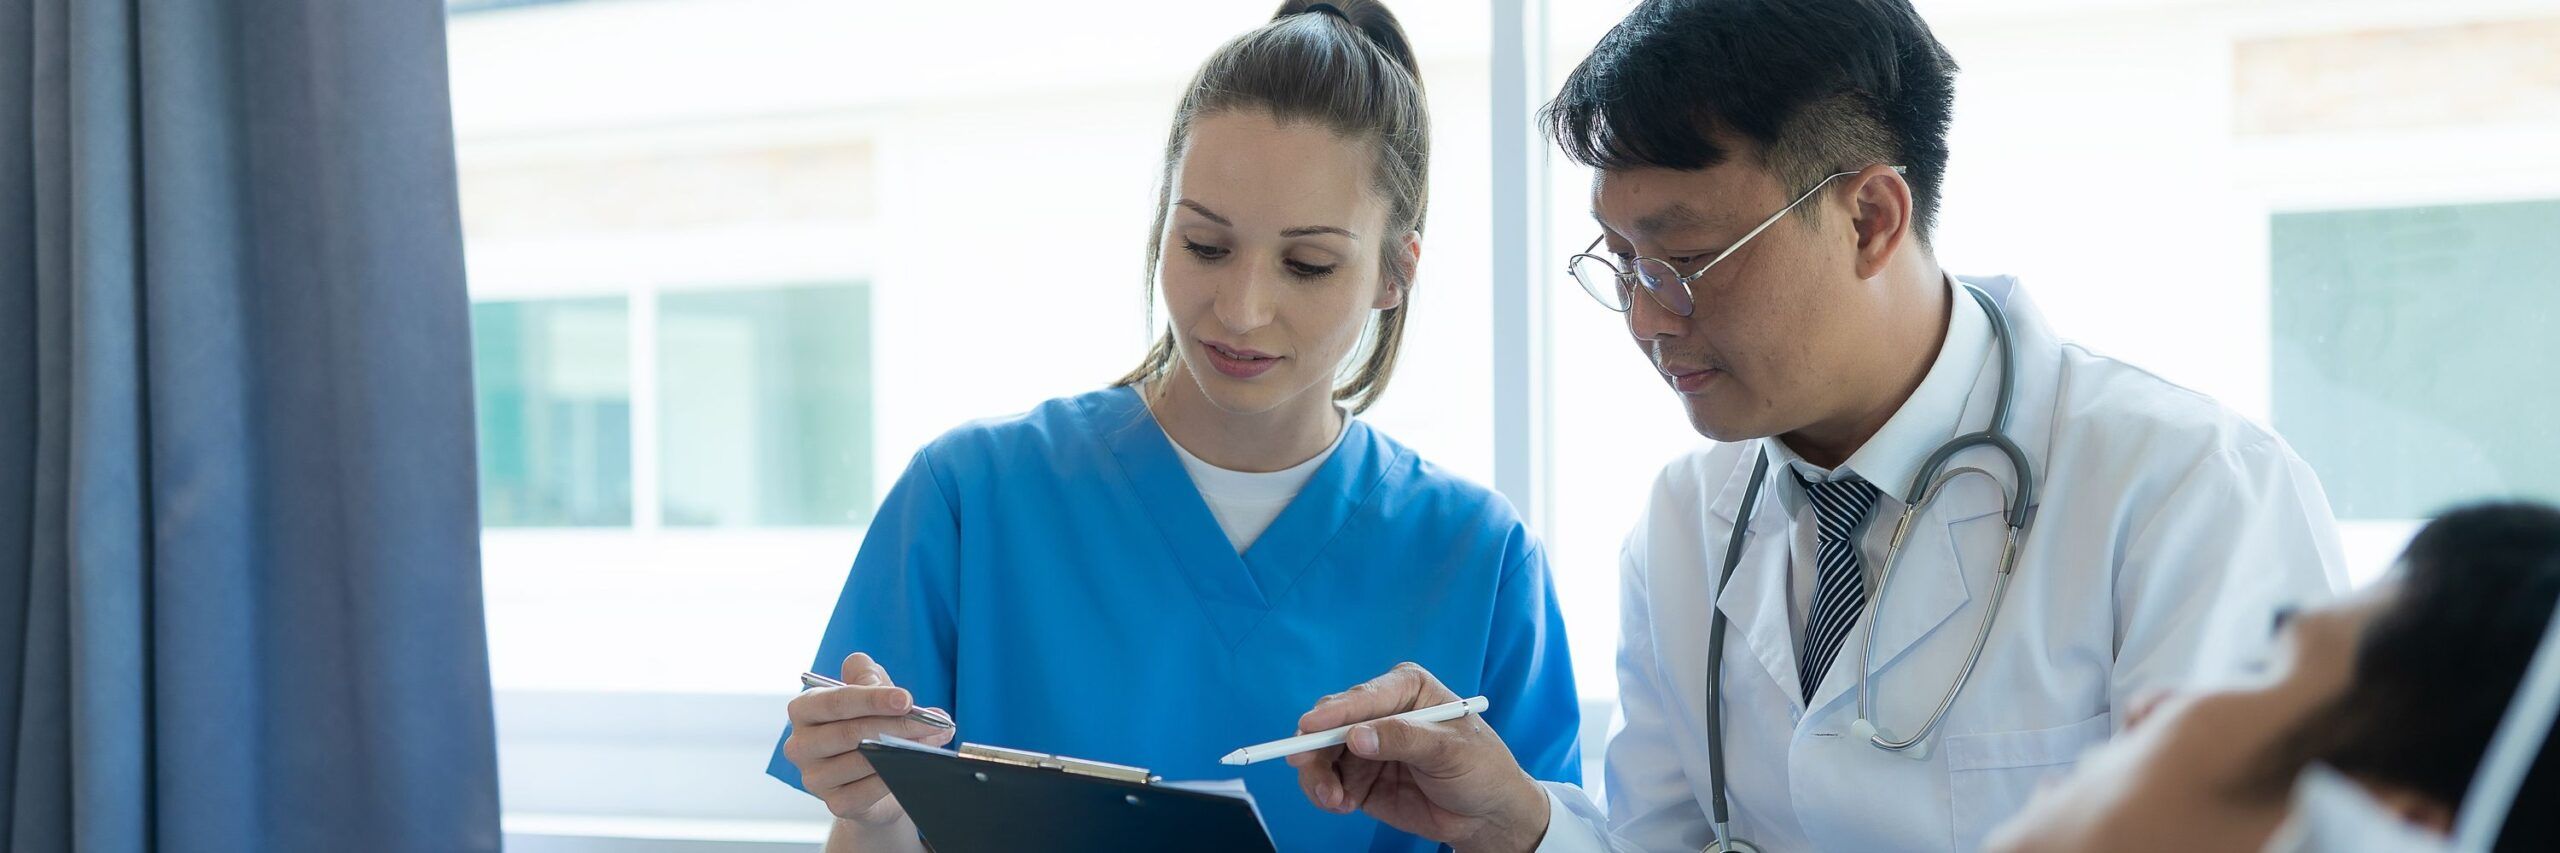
(1754,601)
(1954,547)
(1927,587)
(1219,580)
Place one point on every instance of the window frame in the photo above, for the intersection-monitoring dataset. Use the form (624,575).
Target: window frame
(2334,171)
(545,730)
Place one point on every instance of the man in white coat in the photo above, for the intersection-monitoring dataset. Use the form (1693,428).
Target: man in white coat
(1767,175)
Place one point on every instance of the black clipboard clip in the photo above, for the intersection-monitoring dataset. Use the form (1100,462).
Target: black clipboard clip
(1060,763)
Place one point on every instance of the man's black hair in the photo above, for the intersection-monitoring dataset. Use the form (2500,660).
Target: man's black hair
(1818,85)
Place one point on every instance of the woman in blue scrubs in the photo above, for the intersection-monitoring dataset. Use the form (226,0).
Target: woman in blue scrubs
(1160,572)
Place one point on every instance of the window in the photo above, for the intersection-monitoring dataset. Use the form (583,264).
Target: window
(2470,295)
(554,389)
(765,407)
(714,247)
(762,399)
(781,202)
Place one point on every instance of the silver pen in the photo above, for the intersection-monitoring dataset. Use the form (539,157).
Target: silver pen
(927,716)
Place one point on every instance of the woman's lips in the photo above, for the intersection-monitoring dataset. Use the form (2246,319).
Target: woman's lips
(1237,362)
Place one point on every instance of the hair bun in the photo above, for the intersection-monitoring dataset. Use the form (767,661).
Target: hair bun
(1369,17)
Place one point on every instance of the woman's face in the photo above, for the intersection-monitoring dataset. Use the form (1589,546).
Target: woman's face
(1271,258)
(2187,773)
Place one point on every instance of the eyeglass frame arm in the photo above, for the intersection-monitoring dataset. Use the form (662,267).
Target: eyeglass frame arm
(1686,281)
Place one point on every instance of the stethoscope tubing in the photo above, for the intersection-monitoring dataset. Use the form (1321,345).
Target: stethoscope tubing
(1924,487)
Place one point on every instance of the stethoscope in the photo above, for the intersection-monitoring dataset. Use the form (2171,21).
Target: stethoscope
(1925,486)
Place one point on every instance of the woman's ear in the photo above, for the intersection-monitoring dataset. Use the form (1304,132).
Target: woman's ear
(1407,258)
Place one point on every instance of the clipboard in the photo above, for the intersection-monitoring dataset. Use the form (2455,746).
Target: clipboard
(984,799)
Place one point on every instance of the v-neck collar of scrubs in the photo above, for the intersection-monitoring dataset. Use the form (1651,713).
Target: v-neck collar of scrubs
(1237,590)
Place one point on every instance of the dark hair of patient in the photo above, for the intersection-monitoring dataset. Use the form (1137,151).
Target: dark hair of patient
(2435,671)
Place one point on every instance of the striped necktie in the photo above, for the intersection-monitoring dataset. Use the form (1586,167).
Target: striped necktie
(1840,586)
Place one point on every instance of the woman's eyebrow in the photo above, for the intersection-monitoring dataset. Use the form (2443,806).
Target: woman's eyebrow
(1204,211)
(1300,231)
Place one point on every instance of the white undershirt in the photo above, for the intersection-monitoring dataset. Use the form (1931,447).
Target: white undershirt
(1245,502)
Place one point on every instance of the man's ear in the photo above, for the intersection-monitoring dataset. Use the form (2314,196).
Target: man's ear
(1406,255)
(1880,211)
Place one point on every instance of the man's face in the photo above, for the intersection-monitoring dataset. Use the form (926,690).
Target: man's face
(1758,352)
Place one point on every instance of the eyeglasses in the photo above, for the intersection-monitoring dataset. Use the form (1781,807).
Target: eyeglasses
(1601,276)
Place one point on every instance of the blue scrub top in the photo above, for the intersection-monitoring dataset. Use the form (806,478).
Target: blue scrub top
(1055,580)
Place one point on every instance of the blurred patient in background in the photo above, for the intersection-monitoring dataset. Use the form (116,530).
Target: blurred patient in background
(2387,698)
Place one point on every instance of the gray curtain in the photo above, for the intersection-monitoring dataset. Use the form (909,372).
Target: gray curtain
(239,560)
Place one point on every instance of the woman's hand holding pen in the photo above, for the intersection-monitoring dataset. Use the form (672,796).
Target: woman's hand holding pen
(828,724)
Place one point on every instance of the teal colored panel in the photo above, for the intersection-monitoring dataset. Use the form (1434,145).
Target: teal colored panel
(553,387)
(765,407)
(2417,353)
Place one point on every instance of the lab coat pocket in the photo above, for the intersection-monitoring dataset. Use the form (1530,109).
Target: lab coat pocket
(1990,775)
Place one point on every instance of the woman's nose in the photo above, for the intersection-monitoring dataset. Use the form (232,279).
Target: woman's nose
(1246,302)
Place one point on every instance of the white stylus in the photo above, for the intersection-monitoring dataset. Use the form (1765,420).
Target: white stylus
(1333,737)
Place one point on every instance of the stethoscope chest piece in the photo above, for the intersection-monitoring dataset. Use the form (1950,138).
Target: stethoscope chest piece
(1733,845)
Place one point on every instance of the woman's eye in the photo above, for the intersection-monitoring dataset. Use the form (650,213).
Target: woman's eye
(1203,251)
(1307,270)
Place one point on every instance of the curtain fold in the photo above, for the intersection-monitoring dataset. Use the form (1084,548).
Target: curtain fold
(239,547)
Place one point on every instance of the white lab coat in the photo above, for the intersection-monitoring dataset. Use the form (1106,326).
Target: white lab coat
(2169,532)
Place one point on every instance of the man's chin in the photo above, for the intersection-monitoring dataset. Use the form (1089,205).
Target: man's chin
(1715,422)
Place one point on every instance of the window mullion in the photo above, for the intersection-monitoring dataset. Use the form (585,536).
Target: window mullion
(1519,246)
(645,505)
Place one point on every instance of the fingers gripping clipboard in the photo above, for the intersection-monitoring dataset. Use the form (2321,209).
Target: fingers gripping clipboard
(984,799)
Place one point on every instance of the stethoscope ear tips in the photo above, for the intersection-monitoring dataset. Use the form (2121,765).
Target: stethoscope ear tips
(1863,730)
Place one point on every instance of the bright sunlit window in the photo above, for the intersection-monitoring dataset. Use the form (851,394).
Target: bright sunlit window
(733,261)
(2361,294)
